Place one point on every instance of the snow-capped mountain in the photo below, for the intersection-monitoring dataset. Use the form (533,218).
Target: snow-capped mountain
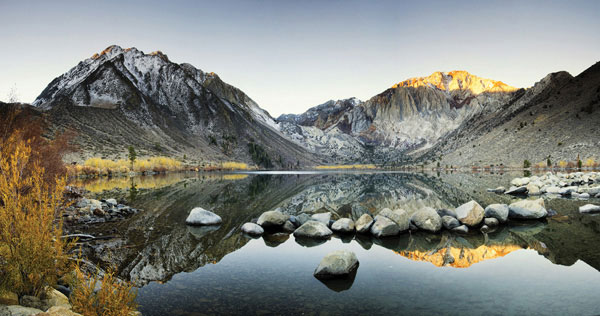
(123,97)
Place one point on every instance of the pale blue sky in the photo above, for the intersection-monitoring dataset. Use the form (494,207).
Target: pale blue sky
(291,55)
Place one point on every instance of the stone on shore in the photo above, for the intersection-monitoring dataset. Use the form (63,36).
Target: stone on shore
(302,218)
(343,225)
(497,190)
(18,310)
(271,219)
(427,219)
(384,227)
(497,211)
(527,209)
(61,311)
(363,224)
(470,213)
(533,189)
(288,227)
(252,229)
(313,229)
(589,208)
(337,264)
(398,216)
(446,212)
(200,216)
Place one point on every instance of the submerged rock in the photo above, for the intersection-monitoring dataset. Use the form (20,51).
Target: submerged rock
(363,224)
(463,229)
(252,229)
(497,211)
(200,216)
(337,264)
(343,225)
(470,213)
(313,229)
(271,219)
(527,209)
(428,219)
(589,208)
(384,227)
(491,221)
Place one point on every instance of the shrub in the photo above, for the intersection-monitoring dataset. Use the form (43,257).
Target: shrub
(114,298)
(32,251)
(526,163)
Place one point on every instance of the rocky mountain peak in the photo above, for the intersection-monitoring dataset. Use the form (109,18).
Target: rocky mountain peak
(456,80)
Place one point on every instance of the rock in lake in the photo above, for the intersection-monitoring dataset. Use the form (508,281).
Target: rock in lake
(288,227)
(446,212)
(302,218)
(337,264)
(322,217)
(428,219)
(363,224)
(533,189)
(497,211)
(527,209)
(589,208)
(252,229)
(313,229)
(200,216)
(343,225)
(270,219)
(384,227)
(491,221)
(470,213)
(398,216)
(516,191)
(450,222)
(463,229)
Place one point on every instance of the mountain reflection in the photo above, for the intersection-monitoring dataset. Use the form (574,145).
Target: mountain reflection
(156,244)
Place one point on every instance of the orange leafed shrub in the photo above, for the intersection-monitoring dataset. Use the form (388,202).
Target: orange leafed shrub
(32,252)
(114,298)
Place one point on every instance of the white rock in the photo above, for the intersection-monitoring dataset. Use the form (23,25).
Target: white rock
(337,264)
(252,229)
(200,216)
(589,208)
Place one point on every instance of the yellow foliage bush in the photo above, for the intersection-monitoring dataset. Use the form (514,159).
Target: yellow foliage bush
(99,166)
(32,252)
(230,165)
(114,298)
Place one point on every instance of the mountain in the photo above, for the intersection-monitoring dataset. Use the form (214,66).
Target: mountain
(411,115)
(556,119)
(123,97)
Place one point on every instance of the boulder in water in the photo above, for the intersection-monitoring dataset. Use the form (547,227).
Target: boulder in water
(200,216)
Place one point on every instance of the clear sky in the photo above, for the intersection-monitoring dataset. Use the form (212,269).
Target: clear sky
(292,55)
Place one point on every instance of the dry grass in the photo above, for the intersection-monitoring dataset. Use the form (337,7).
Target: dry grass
(32,252)
(358,166)
(114,298)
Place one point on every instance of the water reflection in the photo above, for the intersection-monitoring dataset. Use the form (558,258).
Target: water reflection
(158,245)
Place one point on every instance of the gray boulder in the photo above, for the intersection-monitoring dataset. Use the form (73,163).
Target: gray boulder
(17,310)
(527,209)
(302,218)
(567,190)
(111,202)
(384,227)
(343,225)
(470,213)
(363,224)
(427,219)
(252,229)
(533,189)
(200,216)
(322,217)
(553,190)
(589,208)
(337,264)
(497,190)
(272,219)
(398,216)
(313,229)
(450,222)
(288,227)
(497,211)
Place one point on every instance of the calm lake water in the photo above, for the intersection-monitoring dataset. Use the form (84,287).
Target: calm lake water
(534,267)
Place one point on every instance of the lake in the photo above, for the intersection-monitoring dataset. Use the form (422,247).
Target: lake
(532,267)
